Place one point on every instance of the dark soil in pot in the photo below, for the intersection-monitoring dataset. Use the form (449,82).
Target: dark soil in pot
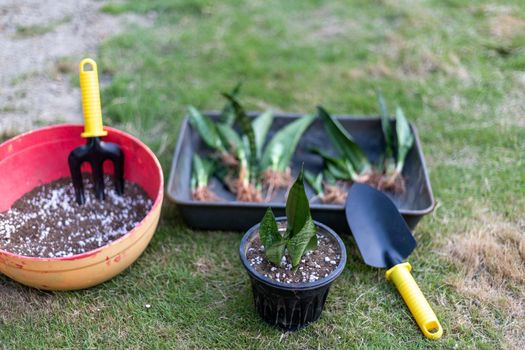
(47,222)
(292,299)
(314,265)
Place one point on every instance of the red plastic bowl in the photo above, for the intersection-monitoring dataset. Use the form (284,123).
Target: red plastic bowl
(39,157)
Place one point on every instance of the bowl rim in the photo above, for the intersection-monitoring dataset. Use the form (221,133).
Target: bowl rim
(157,202)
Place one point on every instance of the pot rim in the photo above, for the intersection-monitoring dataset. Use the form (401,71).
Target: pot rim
(157,201)
(293,286)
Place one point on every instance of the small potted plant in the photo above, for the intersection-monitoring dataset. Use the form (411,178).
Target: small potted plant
(292,261)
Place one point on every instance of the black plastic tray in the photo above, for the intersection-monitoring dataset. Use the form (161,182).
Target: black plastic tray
(229,214)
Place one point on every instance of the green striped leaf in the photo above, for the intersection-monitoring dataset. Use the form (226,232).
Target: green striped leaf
(343,142)
(279,151)
(405,139)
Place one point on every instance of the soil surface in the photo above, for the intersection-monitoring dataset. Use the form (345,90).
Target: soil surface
(315,265)
(47,222)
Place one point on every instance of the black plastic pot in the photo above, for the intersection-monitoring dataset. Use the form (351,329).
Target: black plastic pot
(229,214)
(289,306)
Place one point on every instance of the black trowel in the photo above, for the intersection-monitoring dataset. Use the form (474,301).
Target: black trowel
(384,240)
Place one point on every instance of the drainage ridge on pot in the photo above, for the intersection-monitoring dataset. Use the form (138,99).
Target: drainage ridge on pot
(290,306)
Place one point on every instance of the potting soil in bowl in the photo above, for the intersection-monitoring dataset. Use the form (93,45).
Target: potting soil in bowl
(315,265)
(47,222)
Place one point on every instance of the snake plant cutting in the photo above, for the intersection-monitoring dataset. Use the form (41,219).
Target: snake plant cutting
(247,163)
(353,164)
(398,143)
(326,187)
(202,168)
(300,235)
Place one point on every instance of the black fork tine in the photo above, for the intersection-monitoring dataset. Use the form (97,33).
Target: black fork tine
(98,178)
(75,161)
(114,153)
(96,152)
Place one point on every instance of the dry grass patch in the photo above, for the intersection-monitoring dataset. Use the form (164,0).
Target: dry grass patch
(326,24)
(402,59)
(491,262)
(506,26)
(413,64)
(511,111)
(203,265)
(17,301)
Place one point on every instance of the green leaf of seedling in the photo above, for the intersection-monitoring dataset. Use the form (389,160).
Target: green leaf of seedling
(228,115)
(261,125)
(193,180)
(386,125)
(328,177)
(275,252)
(340,168)
(268,231)
(405,139)
(221,172)
(230,138)
(316,182)
(206,129)
(202,169)
(343,142)
(297,206)
(246,126)
(341,171)
(279,151)
(305,239)
(312,244)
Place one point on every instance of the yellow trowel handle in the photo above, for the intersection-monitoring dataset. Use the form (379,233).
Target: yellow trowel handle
(91,99)
(417,304)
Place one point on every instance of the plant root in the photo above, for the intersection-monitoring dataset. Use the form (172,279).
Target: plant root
(229,160)
(393,183)
(375,179)
(334,194)
(246,192)
(204,194)
(274,180)
(362,178)
(231,182)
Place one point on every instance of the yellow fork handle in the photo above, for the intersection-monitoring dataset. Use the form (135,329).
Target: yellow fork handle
(417,304)
(91,99)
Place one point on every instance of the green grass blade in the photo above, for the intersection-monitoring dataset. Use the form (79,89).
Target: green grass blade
(206,129)
(279,151)
(405,138)
(261,125)
(343,142)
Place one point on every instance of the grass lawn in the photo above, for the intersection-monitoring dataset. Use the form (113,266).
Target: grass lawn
(458,70)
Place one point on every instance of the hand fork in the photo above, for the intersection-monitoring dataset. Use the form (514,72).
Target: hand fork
(95,151)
